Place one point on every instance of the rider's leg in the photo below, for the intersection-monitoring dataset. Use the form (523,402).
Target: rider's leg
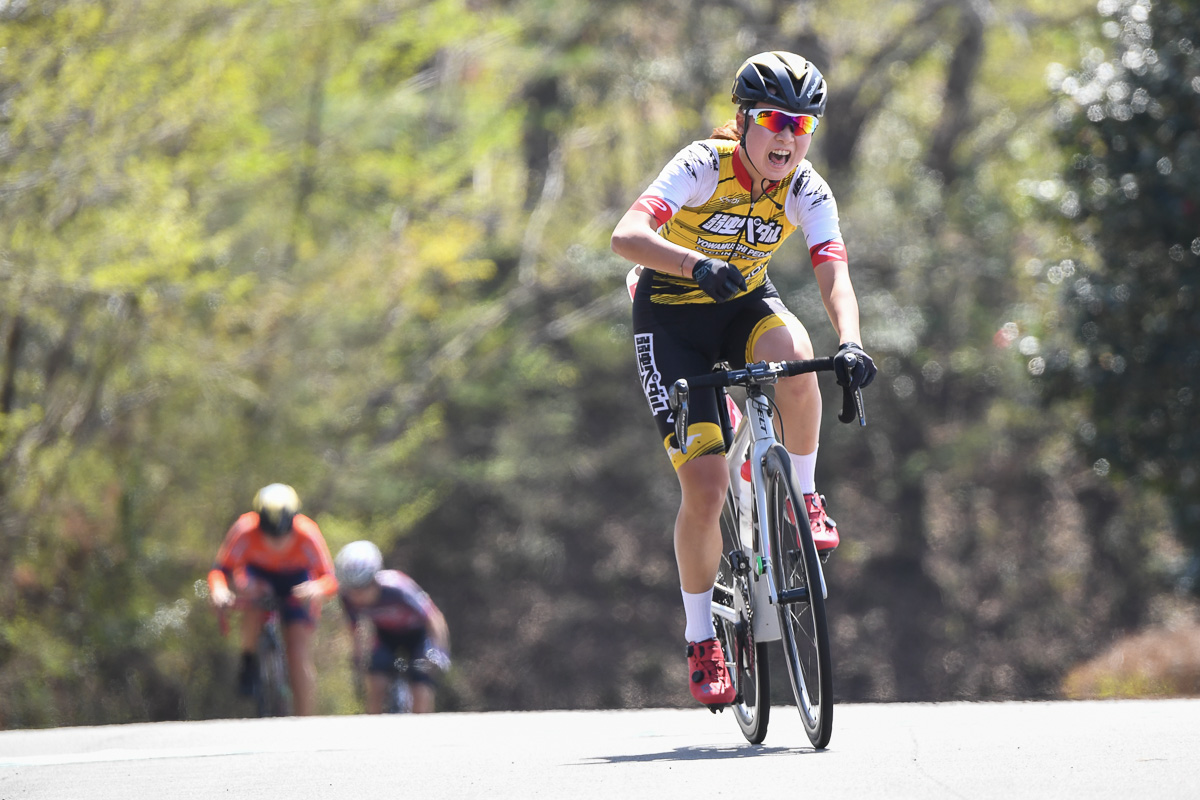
(798,397)
(298,637)
(251,627)
(251,624)
(704,481)
(378,684)
(422,697)
(799,402)
(698,524)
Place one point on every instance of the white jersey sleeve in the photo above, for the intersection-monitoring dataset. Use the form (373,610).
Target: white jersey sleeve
(688,179)
(810,206)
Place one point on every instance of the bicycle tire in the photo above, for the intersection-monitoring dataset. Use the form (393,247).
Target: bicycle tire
(400,695)
(272,693)
(803,623)
(745,659)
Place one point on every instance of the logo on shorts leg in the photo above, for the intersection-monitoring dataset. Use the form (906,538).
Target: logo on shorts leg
(656,393)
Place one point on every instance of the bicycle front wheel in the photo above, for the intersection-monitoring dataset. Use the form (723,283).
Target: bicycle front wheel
(272,695)
(801,604)
(400,697)
(745,659)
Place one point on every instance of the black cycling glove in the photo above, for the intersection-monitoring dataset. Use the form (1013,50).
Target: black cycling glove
(853,366)
(720,280)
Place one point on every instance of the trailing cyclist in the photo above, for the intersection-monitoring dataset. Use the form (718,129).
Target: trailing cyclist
(703,234)
(406,625)
(274,550)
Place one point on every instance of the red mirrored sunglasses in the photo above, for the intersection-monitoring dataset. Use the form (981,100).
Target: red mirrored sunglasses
(775,120)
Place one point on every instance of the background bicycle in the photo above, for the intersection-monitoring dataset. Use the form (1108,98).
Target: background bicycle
(770,585)
(427,667)
(270,688)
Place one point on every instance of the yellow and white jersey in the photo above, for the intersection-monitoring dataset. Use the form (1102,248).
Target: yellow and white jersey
(701,200)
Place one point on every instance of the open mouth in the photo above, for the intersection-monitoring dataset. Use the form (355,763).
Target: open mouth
(778,158)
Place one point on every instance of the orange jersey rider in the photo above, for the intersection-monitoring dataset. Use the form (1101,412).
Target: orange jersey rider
(276,551)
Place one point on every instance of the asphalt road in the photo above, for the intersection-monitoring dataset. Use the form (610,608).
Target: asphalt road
(1143,749)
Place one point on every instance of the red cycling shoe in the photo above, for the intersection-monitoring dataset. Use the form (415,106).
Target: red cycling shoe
(824,529)
(709,677)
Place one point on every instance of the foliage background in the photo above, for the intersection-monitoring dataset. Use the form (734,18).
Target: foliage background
(362,247)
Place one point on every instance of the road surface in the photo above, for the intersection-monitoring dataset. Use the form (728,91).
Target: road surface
(1091,750)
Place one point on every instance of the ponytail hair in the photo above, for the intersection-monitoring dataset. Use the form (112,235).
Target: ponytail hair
(730,130)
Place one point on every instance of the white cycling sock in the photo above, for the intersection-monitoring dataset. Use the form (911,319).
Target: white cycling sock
(698,610)
(806,470)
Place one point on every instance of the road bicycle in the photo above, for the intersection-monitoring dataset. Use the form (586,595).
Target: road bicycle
(399,699)
(770,586)
(272,692)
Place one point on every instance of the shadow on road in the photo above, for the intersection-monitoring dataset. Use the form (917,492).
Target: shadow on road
(702,753)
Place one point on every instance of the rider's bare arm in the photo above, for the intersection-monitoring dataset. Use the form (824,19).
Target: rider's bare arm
(837,293)
(636,239)
(439,632)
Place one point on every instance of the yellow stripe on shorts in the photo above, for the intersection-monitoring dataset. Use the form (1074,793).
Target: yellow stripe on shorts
(768,323)
(704,438)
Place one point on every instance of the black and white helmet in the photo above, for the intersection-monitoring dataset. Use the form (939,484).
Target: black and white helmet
(277,505)
(356,564)
(782,79)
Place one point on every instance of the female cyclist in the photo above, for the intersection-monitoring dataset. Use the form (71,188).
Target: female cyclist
(406,625)
(274,549)
(704,233)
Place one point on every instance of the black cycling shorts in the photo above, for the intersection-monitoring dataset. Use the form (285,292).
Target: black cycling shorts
(683,340)
(412,647)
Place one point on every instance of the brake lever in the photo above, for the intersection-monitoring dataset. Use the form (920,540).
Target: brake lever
(852,399)
(678,399)
(852,406)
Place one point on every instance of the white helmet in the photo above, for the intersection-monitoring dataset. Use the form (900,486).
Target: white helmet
(357,563)
(277,505)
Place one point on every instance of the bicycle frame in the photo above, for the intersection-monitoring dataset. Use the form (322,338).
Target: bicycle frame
(755,435)
(270,645)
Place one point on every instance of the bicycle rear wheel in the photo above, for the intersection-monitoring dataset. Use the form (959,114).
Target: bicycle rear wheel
(801,604)
(745,659)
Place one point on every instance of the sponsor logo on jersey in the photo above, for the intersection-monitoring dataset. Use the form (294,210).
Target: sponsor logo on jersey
(833,250)
(758,231)
(709,246)
(656,393)
(655,207)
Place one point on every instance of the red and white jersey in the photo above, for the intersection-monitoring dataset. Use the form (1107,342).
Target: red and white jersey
(701,200)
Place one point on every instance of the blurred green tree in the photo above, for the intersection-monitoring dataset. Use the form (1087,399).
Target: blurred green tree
(362,246)
(1130,122)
